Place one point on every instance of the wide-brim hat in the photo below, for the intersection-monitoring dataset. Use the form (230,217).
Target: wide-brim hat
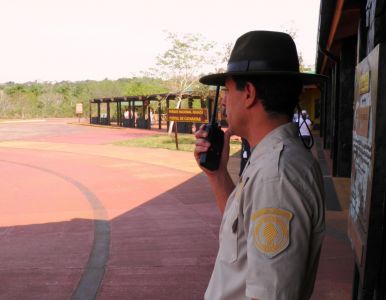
(263,53)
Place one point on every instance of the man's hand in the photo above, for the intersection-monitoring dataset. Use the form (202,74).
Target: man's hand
(202,145)
(220,180)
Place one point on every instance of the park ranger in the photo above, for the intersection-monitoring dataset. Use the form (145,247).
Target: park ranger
(273,219)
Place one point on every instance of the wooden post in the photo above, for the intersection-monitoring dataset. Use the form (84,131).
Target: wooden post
(143,110)
(99,112)
(130,114)
(108,113)
(159,115)
(167,109)
(119,113)
(134,114)
(176,134)
(90,109)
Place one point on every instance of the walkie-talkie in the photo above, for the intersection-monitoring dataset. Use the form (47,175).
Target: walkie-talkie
(211,159)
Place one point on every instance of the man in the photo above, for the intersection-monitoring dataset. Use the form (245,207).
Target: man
(305,127)
(126,114)
(273,219)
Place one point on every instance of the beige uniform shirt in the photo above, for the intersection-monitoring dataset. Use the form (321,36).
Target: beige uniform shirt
(273,225)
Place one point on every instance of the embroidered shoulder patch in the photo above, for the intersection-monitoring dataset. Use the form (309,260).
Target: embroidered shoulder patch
(272,230)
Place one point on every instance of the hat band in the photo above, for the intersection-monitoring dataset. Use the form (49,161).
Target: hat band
(259,65)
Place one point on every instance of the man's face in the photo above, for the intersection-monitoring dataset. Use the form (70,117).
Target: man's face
(233,104)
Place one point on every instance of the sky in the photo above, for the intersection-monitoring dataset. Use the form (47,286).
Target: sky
(55,40)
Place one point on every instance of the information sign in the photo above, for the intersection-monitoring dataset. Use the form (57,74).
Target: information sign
(188,115)
(79,108)
(366,212)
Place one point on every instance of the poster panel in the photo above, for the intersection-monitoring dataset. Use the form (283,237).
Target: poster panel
(365,103)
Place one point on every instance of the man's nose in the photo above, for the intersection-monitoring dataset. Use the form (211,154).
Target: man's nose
(224,100)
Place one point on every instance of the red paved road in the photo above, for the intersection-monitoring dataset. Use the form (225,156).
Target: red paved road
(160,242)
(156,237)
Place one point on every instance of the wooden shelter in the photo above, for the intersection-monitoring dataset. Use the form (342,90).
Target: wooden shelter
(139,109)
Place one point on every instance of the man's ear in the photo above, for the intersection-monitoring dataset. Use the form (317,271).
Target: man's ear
(250,95)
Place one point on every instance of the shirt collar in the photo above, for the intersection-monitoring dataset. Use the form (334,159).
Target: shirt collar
(274,139)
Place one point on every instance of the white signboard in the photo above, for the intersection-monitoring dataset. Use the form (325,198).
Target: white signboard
(79,108)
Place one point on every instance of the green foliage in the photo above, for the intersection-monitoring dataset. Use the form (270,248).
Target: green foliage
(37,100)
(145,86)
(36,89)
(180,66)
(13,89)
(182,63)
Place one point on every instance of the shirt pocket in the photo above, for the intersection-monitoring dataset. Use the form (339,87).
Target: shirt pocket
(228,247)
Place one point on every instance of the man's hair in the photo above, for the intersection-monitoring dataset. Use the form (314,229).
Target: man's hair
(278,94)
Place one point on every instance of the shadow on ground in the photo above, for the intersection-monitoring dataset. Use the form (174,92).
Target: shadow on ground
(163,249)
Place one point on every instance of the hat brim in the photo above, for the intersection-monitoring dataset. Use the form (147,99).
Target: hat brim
(220,78)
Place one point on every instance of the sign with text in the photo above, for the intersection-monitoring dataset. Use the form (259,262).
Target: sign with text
(79,108)
(368,160)
(188,115)
(362,157)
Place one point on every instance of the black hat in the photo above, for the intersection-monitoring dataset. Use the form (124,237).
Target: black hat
(267,53)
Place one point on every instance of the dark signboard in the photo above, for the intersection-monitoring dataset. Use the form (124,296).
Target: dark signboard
(188,115)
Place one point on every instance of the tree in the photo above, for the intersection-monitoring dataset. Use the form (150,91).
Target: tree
(184,61)
(222,58)
(5,104)
(187,57)
(293,33)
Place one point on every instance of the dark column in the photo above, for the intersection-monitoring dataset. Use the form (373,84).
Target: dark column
(362,33)
(159,115)
(108,113)
(90,110)
(167,109)
(345,109)
(323,88)
(119,113)
(143,119)
(328,121)
(99,112)
(134,113)
(148,117)
(335,115)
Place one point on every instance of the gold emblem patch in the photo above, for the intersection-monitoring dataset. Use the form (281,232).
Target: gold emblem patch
(271,232)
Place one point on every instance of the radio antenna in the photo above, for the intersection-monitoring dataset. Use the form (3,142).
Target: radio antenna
(214,113)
